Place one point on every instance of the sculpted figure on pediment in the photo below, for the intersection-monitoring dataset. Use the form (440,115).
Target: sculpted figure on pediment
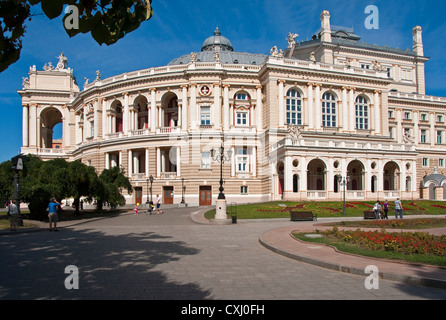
(62,63)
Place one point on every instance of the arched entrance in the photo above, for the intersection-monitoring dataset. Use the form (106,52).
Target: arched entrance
(280,174)
(316,172)
(169,110)
(50,119)
(141,113)
(391,176)
(355,172)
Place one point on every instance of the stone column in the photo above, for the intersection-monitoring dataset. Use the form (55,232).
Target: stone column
(310,108)
(226,107)
(184,108)
(25,123)
(345,123)
(153,109)
(318,107)
(217,106)
(399,126)
(432,134)
(377,112)
(281,104)
(259,109)
(126,114)
(33,125)
(193,106)
(352,110)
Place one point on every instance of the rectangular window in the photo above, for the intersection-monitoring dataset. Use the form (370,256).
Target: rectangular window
(423,136)
(441,163)
(439,118)
(241,118)
(244,190)
(406,115)
(242,159)
(439,137)
(205,160)
(425,162)
(205,116)
(423,117)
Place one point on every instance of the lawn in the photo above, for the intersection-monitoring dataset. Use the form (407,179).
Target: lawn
(280,209)
(413,247)
(393,223)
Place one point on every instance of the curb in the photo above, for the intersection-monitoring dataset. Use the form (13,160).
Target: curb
(411,280)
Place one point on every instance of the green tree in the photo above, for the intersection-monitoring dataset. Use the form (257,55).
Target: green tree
(6,178)
(111,181)
(106,20)
(82,179)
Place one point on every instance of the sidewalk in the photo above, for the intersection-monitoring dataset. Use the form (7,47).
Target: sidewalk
(282,242)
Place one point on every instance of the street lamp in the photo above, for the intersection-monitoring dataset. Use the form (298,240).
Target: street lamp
(219,156)
(182,190)
(17,165)
(151,181)
(343,181)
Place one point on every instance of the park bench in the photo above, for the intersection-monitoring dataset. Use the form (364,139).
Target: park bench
(369,215)
(303,216)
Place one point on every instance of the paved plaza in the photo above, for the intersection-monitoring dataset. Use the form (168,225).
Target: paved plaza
(173,257)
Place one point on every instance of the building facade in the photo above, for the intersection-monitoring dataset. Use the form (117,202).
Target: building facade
(321,117)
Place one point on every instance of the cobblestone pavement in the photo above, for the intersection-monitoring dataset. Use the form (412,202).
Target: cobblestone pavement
(170,257)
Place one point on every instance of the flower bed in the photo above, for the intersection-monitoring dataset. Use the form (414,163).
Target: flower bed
(405,243)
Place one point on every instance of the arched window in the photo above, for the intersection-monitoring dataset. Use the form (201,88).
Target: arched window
(242,109)
(329,110)
(293,107)
(295,183)
(362,113)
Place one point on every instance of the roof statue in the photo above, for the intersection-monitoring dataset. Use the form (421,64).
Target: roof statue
(292,39)
(62,63)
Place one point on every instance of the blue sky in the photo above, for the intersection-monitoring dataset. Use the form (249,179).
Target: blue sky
(179,27)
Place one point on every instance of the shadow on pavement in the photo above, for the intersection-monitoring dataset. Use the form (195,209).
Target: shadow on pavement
(110,266)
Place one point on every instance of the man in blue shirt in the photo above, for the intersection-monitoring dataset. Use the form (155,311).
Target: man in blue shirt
(398,208)
(52,213)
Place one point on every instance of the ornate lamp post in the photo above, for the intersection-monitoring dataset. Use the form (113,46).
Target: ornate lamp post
(151,181)
(219,156)
(182,191)
(17,165)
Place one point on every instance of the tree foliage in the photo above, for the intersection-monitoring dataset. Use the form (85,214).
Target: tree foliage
(111,181)
(59,179)
(106,20)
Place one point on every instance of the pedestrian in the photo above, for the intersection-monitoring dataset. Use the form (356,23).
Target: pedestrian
(158,204)
(52,213)
(13,214)
(377,209)
(398,209)
(136,209)
(386,209)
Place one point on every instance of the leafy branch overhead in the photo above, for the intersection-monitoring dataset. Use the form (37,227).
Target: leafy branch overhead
(106,20)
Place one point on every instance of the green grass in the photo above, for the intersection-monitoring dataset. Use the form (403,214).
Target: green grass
(343,246)
(393,224)
(280,209)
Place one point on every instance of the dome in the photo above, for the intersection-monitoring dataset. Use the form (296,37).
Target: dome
(435,177)
(217,41)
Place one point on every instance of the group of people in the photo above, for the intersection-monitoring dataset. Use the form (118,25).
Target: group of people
(398,209)
(151,206)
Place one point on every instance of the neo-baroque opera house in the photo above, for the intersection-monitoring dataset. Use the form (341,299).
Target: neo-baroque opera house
(295,124)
